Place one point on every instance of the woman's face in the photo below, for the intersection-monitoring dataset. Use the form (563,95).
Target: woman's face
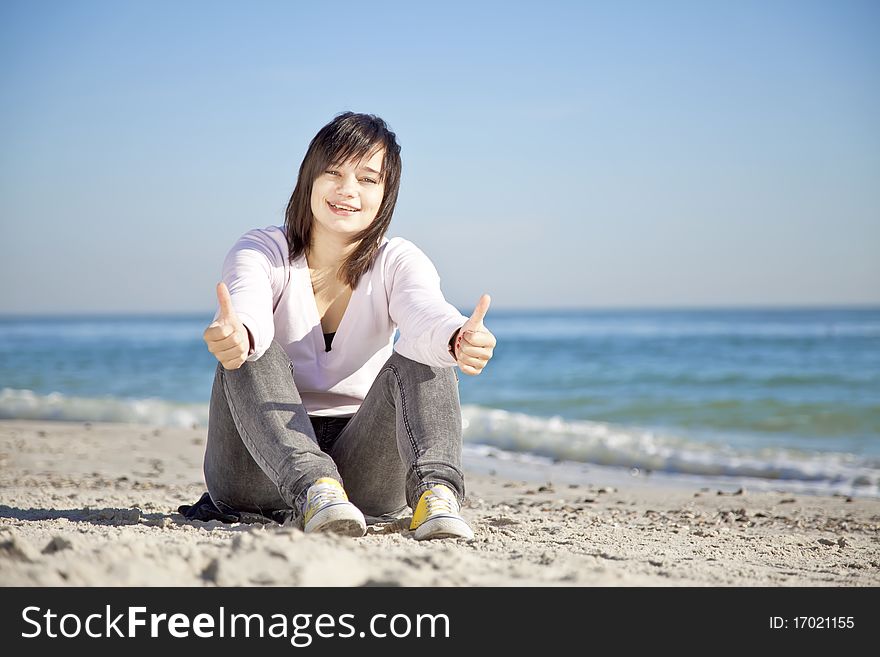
(354,185)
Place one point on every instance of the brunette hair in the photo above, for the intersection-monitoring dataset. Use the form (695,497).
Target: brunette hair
(348,136)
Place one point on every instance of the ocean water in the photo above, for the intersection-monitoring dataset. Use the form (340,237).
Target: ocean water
(760,396)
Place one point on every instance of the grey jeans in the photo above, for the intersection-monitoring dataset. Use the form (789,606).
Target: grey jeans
(263,452)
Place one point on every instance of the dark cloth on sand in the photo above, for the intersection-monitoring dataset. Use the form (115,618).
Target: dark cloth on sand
(206,510)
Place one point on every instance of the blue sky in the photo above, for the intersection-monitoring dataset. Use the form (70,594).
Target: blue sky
(626,154)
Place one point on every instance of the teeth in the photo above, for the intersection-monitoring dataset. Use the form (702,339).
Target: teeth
(342,207)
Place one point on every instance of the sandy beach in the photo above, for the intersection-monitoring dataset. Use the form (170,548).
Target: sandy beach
(93,504)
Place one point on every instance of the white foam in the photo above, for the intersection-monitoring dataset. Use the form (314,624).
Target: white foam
(628,447)
(27,405)
(525,438)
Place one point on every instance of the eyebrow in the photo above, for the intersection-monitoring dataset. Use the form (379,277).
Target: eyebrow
(339,164)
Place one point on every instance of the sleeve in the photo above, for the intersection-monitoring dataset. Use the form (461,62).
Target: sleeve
(253,271)
(417,306)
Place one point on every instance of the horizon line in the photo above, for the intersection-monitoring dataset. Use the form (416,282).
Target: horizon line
(505,309)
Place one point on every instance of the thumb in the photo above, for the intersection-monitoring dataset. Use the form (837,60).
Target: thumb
(476,319)
(227,313)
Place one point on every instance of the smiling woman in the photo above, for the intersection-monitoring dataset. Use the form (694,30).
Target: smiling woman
(315,411)
(354,191)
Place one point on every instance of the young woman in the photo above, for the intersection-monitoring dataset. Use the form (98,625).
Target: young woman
(314,407)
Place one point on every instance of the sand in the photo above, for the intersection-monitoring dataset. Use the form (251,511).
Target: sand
(92,504)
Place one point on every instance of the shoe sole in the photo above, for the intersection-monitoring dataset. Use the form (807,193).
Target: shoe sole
(443,528)
(337,519)
(340,527)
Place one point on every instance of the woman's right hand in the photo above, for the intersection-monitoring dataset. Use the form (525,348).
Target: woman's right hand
(227,338)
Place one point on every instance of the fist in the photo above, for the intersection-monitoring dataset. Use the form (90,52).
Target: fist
(475,344)
(227,338)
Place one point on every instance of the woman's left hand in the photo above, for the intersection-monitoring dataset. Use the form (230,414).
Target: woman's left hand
(475,343)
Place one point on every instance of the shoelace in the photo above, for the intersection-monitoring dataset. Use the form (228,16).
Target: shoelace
(324,494)
(439,504)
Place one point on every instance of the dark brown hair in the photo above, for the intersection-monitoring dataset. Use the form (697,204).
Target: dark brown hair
(348,136)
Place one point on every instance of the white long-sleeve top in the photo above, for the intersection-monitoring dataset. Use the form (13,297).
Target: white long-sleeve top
(274,299)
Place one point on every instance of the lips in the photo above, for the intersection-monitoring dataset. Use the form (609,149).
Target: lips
(341,207)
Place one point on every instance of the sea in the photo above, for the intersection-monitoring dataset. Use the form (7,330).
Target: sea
(768,399)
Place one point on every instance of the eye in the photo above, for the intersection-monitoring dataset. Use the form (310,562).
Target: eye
(332,173)
(370,180)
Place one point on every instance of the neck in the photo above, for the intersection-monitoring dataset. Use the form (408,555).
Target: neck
(327,253)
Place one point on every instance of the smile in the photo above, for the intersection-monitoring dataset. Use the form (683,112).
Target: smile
(342,209)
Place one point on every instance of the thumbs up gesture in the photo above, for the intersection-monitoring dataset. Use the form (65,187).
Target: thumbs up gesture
(475,343)
(227,338)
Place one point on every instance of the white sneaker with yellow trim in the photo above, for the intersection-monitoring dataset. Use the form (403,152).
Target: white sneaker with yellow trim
(327,509)
(437,515)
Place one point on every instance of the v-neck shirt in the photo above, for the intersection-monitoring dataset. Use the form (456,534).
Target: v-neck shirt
(274,299)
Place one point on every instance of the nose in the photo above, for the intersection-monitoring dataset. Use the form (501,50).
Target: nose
(347,185)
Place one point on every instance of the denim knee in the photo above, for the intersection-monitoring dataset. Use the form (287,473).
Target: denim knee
(410,365)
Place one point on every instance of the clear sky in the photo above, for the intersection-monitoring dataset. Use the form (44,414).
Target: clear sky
(583,154)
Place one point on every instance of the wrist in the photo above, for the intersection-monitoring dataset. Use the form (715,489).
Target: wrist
(250,339)
(454,343)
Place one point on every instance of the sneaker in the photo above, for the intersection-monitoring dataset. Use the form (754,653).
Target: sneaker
(437,516)
(327,509)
